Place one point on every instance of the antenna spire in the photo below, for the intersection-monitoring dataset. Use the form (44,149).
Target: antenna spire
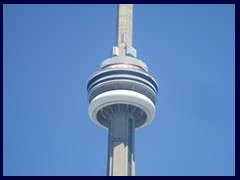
(124,27)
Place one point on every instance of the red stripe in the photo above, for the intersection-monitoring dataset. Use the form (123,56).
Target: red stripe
(124,64)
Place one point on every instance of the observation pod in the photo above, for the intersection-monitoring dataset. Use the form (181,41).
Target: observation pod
(122,84)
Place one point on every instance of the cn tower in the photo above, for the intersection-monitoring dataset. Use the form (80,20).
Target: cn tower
(122,96)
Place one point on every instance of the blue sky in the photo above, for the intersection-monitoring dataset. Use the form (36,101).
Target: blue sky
(50,50)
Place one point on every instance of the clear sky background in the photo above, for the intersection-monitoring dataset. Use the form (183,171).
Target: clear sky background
(49,51)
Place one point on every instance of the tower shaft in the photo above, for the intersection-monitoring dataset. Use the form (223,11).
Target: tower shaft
(121,161)
(124,27)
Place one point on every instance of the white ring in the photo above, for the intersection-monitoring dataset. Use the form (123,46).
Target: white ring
(121,97)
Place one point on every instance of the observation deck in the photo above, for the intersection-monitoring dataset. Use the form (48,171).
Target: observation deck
(122,83)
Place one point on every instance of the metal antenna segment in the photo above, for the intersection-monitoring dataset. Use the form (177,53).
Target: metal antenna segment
(124,27)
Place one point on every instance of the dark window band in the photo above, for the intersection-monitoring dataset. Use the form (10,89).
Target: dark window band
(114,72)
(120,78)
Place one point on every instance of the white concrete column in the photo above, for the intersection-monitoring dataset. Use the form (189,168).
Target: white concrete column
(121,145)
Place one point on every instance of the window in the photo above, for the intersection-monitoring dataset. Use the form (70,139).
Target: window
(122,38)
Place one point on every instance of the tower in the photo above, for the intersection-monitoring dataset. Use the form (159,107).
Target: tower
(122,97)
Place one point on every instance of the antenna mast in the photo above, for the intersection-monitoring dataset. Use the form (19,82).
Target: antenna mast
(124,28)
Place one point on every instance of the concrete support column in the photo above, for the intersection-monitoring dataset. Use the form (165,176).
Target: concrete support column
(121,145)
